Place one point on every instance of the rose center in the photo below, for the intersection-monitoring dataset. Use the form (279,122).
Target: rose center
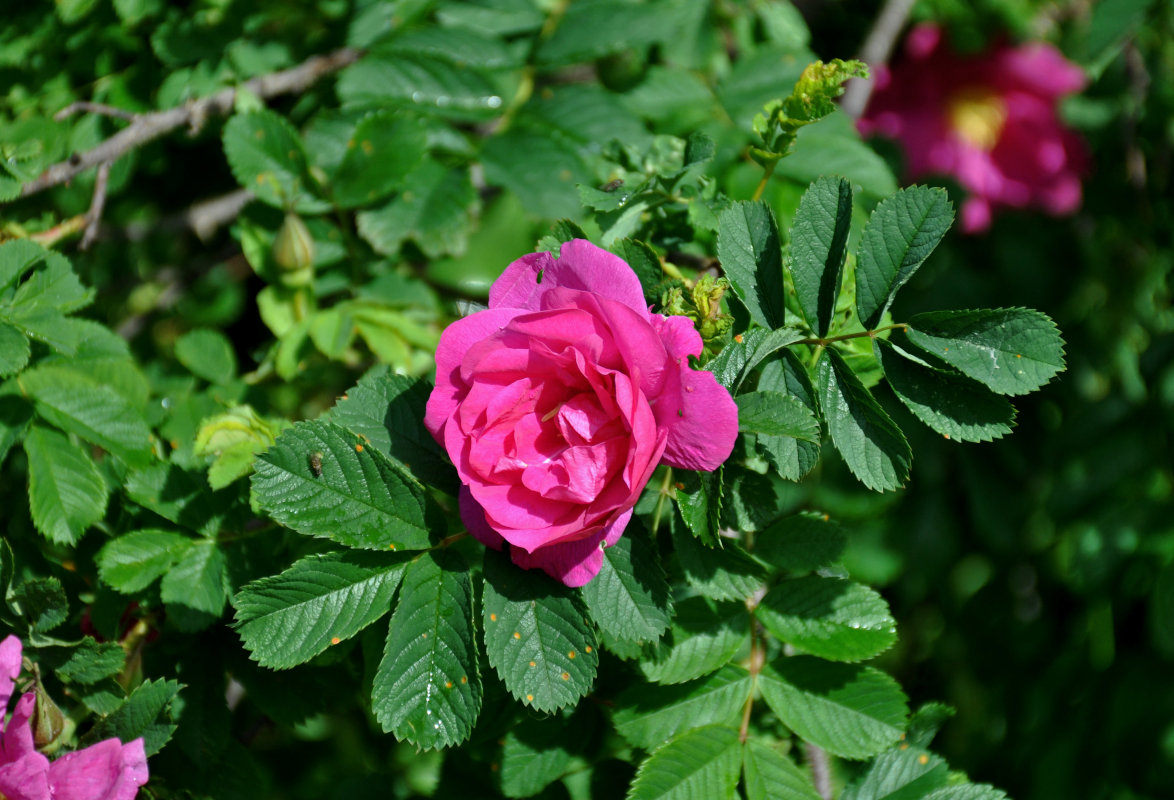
(978,116)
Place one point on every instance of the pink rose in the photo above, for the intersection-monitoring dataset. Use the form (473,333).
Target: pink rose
(988,120)
(108,770)
(558,401)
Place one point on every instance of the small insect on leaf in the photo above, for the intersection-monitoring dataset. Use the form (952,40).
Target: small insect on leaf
(612,186)
(316,464)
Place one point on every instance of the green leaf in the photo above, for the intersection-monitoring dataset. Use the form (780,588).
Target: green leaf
(287,619)
(199,582)
(967,791)
(146,713)
(134,561)
(422,83)
(91,661)
(751,254)
(42,603)
(537,635)
(801,543)
(459,46)
(644,262)
(14,350)
(899,774)
(435,212)
(849,710)
(427,689)
(925,722)
(724,572)
(954,406)
(16,257)
(67,493)
(541,170)
(15,416)
(96,413)
(819,239)
(704,637)
(1011,350)
(793,458)
(700,502)
(52,286)
(776,414)
(739,358)
(770,775)
(185,498)
(700,763)
(590,30)
(361,498)
(383,150)
(900,235)
(629,598)
(104,356)
(267,158)
(537,752)
(831,618)
(208,354)
(872,445)
(647,715)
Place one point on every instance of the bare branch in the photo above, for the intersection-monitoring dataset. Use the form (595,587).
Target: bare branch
(94,108)
(821,770)
(148,127)
(875,51)
(94,217)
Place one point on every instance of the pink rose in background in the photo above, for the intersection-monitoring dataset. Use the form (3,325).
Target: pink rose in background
(989,120)
(108,770)
(558,401)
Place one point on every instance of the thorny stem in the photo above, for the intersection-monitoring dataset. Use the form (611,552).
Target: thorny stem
(857,335)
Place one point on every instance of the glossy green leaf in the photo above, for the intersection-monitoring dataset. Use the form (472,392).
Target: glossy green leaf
(427,689)
(819,239)
(900,235)
(42,603)
(537,752)
(146,713)
(135,560)
(91,661)
(770,775)
(739,358)
(750,251)
(899,774)
(647,715)
(268,158)
(208,354)
(436,212)
(287,619)
(358,496)
(723,572)
(537,635)
(423,83)
(699,498)
(700,764)
(1011,350)
(831,618)
(67,493)
(801,543)
(199,582)
(967,791)
(849,710)
(872,445)
(629,597)
(14,350)
(954,406)
(381,153)
(776,414)
(704,637)
(793,458)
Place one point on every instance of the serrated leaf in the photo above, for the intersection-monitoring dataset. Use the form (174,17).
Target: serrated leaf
(459,46)
(267,158)
(16,256)
(287,619)
(801,543)
(134,561)
(146,713)
(80,405)
(899,774)
(831,618)
(849,710)
(540,169)
(967,791)
(435,212)
(382,151)
(208,354)
(954,406)
(361,498)
(15,415)
(427,689)
(42,603)
(900,235)
(198,581)
(52,286)
(700,763)
(629,597)
(644,262)
(536,753)
(770,775)
(104,356)
(647,715)
(776,414)
(751,255)
(67,493)
(724,572)
(421,82)
(1011,350)
(91,661)
(872,445)
(14,350)
(537,635)
(793,458)
(699,498)
(819,240)
(924,723)
(739,358)
(185,498)
(704,637)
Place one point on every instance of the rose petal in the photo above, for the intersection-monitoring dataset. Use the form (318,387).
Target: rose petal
(518,286)
(107,770)
(573,563)
(10,650)
(17,741)
(473,515)
(26,778)
(580,265)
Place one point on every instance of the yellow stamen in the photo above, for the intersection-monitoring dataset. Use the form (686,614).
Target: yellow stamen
(978,116)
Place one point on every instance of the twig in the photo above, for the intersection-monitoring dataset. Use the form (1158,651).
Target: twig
(62,230)
(94,215)
(821,769)
(94,108)
(148,127)
(875,51)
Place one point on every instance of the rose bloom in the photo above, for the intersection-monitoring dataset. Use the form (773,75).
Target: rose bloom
(108,770)
(558,401)
(989,120)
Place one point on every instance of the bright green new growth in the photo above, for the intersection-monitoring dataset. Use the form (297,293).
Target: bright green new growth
(810,101)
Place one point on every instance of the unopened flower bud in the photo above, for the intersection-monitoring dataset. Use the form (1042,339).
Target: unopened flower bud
(48,721)
(293,251)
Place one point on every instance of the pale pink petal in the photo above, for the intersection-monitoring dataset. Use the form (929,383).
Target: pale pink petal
(573,563)
(9,669)
(104,771)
